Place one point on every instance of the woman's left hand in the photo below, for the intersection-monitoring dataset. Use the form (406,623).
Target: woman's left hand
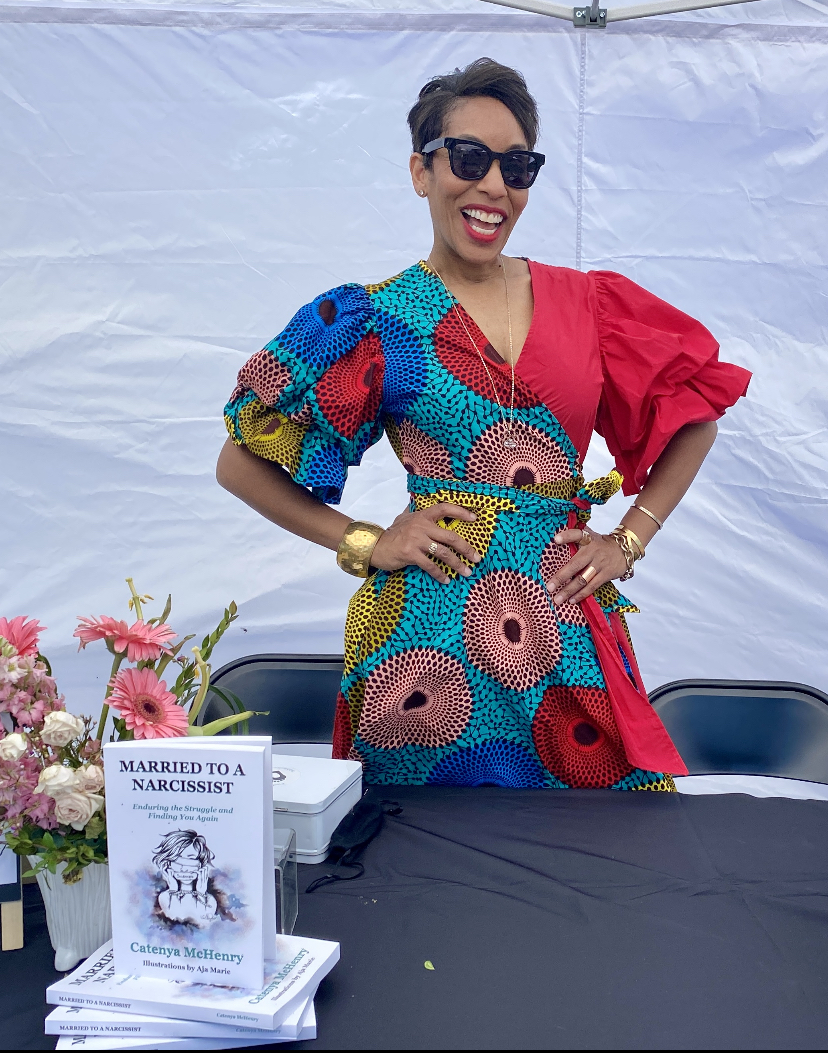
(594,564)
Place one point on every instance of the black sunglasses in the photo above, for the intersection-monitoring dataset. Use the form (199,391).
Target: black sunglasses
(471,160)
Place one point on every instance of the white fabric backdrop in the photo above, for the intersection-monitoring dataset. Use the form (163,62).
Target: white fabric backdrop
(177,179)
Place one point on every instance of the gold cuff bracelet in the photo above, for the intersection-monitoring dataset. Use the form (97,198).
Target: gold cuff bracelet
(357,546)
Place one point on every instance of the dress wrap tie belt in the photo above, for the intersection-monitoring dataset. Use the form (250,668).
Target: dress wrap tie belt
(645,739)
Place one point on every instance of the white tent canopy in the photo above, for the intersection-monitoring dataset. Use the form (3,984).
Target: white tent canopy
(179,177)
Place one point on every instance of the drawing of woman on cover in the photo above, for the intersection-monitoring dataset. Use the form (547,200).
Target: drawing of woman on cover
(184,860)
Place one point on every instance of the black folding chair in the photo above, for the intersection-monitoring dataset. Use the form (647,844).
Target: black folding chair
(751,727)
(297,691)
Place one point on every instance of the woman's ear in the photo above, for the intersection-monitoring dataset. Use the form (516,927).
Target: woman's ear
(418,174)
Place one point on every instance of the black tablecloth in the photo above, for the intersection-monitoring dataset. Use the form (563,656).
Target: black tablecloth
(559,920)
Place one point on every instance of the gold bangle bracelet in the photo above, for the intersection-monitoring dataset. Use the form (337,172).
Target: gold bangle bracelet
(623,542)
(357,546)
(636,541)
(652,515)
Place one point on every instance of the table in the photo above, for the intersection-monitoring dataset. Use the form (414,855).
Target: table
(569,919)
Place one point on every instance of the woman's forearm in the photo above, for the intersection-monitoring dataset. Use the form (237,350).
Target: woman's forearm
(670,477)
(269,489)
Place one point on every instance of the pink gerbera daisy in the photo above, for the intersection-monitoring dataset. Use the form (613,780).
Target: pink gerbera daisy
(22,633)
(148,708)
(142,642)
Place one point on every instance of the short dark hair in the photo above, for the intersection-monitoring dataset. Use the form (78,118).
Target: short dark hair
(173,844)
(484,77)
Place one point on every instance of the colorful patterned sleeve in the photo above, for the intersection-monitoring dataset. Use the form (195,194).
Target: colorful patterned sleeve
(310,400)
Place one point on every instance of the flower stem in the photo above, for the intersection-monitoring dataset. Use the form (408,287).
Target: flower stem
(204,673)
(105,710)
(136,599)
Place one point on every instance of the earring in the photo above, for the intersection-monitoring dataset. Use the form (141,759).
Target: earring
(421,193)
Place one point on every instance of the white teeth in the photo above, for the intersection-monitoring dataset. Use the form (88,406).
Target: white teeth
(480,230)
(484,217)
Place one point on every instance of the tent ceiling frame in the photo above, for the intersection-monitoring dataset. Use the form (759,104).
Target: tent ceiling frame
(596,17)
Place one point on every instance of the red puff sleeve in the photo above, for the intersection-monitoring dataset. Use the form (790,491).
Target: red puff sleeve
(661,370)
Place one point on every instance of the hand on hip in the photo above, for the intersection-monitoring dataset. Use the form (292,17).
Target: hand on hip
(415,539)
(597,561)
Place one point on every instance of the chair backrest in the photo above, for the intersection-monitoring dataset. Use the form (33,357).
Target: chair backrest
(753,727)
(298,691)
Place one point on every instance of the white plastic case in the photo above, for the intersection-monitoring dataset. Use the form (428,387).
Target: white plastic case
(312,795)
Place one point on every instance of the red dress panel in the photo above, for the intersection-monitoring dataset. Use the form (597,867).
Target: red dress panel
(606,355)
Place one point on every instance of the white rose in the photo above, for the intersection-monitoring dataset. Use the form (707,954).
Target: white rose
(76,809)
(60,728)
(90,778)
(12,747)
(56,781)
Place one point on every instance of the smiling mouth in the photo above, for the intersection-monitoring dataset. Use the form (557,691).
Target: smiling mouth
(481,222)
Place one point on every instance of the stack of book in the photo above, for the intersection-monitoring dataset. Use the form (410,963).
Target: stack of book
(98,1009)
(195,960)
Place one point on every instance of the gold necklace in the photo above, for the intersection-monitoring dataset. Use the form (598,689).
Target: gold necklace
(509,441)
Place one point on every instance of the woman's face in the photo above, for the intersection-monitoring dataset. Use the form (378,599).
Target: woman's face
(187,864)
(473,220)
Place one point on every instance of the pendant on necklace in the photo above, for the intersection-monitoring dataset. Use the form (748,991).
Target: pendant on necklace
(510,443)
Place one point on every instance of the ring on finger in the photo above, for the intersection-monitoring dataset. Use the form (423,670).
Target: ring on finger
(432,548)
(586,539)
(587,574)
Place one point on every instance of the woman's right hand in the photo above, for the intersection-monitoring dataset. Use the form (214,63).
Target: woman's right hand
(407,542)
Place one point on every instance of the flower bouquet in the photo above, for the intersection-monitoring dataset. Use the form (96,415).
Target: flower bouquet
(52,793)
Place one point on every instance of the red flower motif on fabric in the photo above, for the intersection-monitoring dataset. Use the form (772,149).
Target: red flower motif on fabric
(423,455)
(509,629)
(552,559)
(265,375)
(577,739)
(420,697)
(536,458)
(343,737)
(349,393)
(456,352)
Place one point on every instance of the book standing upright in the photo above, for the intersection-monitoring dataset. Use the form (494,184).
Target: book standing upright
(191,884)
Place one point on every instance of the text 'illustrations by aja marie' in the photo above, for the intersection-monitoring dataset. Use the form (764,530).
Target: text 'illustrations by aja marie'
(192,891)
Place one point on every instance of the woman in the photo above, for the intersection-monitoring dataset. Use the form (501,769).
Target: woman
(488,644)
(184,860)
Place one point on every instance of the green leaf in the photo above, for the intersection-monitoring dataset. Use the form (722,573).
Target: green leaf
(164,614)
(233,701)
(95,827)
(215,726)
(428,966)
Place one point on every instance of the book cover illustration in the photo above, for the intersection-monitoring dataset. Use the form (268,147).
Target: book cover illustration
(187,876)
(269,923)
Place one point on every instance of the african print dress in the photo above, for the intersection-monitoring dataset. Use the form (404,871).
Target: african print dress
(484,680)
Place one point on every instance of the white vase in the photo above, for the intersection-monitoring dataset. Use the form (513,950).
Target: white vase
(79,916)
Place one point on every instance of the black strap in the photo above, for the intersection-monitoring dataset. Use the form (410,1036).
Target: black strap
(350,839)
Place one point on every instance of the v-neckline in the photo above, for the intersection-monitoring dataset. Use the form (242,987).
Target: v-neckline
(487,345)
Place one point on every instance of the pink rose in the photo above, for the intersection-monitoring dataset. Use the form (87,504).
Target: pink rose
(75,809)
(90,778)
